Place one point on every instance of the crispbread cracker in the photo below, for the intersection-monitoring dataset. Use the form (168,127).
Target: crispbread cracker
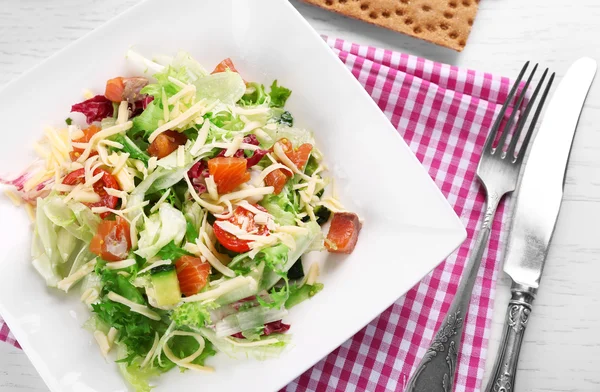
(443,22)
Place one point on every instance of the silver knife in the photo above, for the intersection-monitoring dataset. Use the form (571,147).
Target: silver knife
(536,211)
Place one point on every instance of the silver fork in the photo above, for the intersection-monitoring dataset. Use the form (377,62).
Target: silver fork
(498,172)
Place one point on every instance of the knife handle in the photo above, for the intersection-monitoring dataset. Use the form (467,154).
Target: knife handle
(503,376)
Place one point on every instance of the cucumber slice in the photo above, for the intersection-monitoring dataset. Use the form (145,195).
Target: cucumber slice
(166,285)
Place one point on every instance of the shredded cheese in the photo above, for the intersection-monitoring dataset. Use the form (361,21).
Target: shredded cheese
(154,265)
(102,341)
(89,296)
(223,288)
(214,261)
(137,308)
(234,146)
(265,342)
(123,113)
(210,207)
(13,197)
(151,352)
(270,169)
(188,89)
(224,259)
(201,140)
(211,187)
(76,276)
(180,156)
(313,274)
(243,194)
(30,212)
(112,335)
(120,264)
(229,213)
(160,201)
(180,120)
(103,134)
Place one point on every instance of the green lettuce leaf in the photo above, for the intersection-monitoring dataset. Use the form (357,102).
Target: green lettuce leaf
(225,87)
(300,294)
(172,252)
(304,242)
(279,95)
(136,377)
(284,206)
(255,95)
(133,149)
(147,122)
(161,228)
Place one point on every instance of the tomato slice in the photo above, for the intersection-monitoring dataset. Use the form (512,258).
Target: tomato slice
(112,241)
(277,180)
(87,135)
(343,232)
(225,65)
(114,89)
(107,181)
(241,218)
(299,156)
(166,143)
(228,173)
(192,274)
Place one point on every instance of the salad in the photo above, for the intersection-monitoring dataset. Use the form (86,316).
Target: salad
(178,206)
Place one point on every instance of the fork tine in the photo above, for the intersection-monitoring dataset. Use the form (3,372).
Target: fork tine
(493,132)
(511,119)
(510,152)
(538,111)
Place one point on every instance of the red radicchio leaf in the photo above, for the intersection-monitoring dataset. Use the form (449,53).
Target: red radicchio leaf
(94,109)
(276,327)
(146,101)
(256,157)
(251,139)
(270,328)
(197,175)
(139,106)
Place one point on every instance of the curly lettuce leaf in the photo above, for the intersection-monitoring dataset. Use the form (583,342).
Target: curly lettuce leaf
(193,314)
(279,95)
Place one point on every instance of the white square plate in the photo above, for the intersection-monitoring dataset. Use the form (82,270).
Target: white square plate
(408,225)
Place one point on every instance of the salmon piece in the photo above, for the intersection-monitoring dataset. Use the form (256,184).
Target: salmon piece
(299,156)
(114,89)
(225,65)
(166,143)
(343,232)
(192,274)
(87,135)
(228,173)
(276,179)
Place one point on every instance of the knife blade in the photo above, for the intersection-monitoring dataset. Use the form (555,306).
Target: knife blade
(540,194)
(536,212)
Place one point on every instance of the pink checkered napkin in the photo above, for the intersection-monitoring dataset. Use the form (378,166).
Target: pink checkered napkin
(444,114)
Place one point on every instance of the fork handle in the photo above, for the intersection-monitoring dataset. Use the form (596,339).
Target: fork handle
(436,370)
(503,376)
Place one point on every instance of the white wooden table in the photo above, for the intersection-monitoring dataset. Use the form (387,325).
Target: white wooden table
(562,345)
